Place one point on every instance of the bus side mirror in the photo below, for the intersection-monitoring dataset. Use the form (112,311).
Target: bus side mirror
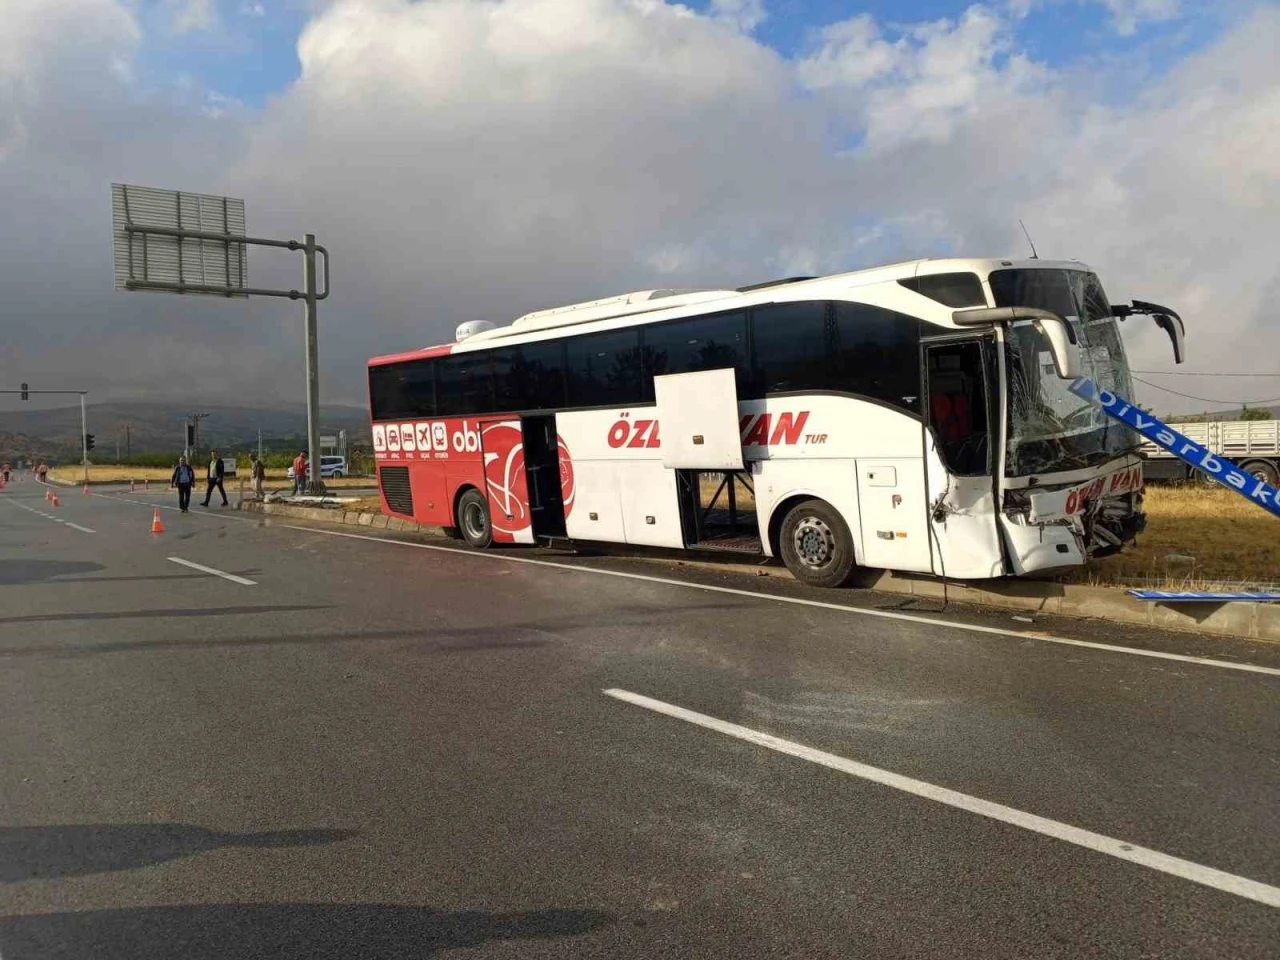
(1057,331)
(1166,319)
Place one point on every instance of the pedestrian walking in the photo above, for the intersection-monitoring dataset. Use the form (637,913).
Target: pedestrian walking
(43,471)
(7,470)
(300,473)
(184,478)
(216,472)
(258,474)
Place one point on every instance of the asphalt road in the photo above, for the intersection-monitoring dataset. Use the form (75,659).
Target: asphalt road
(372,749)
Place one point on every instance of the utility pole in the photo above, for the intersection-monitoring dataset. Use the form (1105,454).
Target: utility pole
(313,362)
(84,428)
(128,446)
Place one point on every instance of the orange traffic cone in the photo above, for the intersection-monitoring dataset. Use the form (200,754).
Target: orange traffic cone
(54,501)
(156,525)
(86,489)
(48,493)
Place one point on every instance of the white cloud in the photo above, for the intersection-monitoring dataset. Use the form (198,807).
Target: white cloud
(1126,15)
(252,8)
(192,16)
(746,15)
(466,160)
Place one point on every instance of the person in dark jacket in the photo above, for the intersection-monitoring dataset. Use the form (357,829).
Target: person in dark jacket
(216,471)
(183,478)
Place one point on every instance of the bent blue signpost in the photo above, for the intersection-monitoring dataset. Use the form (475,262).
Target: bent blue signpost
(1188,451)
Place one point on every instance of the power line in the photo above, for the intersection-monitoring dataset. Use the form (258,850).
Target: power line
(1234,403)
(1183,373)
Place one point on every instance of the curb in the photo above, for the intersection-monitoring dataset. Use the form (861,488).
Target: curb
(1250,620)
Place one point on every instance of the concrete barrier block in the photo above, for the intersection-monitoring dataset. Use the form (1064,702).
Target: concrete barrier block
(365,519)
(1268,621)
(1231,618)
(380,521)
(1103,603)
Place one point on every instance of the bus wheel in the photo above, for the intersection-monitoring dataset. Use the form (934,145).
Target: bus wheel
(473,519)
(815,544)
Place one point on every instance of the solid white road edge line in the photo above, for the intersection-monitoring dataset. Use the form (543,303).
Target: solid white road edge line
(211,515)
(1152,859)
(217,573)
(800,601)
(76,526)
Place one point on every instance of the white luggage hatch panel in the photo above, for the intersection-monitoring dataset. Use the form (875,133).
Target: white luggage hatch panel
(699,417)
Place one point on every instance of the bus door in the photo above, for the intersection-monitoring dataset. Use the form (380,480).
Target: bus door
(502,446)
(542,469)
(960,426)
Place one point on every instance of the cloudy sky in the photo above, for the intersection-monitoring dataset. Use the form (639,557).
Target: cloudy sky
(468,159)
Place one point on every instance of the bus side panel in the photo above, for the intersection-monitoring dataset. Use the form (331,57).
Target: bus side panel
(431,501)
(834,481)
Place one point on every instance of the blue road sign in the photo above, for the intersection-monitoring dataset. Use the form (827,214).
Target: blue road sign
(1188,451)
(1192,596)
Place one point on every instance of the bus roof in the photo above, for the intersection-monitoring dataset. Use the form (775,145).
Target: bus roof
(652,306)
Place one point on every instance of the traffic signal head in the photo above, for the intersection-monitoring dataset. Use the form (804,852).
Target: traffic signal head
(88,441)
(24,392)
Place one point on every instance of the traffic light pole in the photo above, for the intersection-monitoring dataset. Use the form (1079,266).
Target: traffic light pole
(84,441)
(84,423)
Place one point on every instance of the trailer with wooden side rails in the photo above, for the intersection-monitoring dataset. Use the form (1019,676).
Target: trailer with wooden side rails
(1253,445)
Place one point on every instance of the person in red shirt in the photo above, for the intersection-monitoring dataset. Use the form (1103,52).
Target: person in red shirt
(300,473)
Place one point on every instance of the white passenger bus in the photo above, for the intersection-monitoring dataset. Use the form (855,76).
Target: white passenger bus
(913,417)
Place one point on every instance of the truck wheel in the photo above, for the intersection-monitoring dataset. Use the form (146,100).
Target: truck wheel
(815,544)
(1264,471)
(473,519)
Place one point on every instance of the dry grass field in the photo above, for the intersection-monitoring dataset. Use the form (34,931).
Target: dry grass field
(1197,537)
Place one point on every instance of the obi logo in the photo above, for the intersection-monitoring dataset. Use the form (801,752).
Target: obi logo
(465,439)
(567,490)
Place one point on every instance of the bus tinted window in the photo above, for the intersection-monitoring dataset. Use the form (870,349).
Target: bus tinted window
(876,354)
(530,376)
(402,390)
(951,289)
(699,343)
(792,347)
(464,385)
(604,368)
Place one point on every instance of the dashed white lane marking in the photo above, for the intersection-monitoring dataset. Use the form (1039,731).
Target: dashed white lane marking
(217,573)
(50,516)
(800,601)
(1143,856)
(210,515)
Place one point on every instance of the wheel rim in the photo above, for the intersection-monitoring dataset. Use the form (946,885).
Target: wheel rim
(1261,473)
(473,521)
(814,542)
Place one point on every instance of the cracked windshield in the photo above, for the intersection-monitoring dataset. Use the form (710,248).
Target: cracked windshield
(1050,428)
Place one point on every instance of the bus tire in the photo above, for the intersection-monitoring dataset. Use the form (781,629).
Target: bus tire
(815,544)
(473,519)
(1262,470)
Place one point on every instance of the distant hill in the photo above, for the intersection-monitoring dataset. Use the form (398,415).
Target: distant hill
(157,427)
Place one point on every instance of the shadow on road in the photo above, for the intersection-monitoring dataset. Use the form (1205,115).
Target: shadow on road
(34,571)
(171,612)
(286,931)
(28,853)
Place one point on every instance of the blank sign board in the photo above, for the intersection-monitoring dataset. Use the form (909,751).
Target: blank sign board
(169,264)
